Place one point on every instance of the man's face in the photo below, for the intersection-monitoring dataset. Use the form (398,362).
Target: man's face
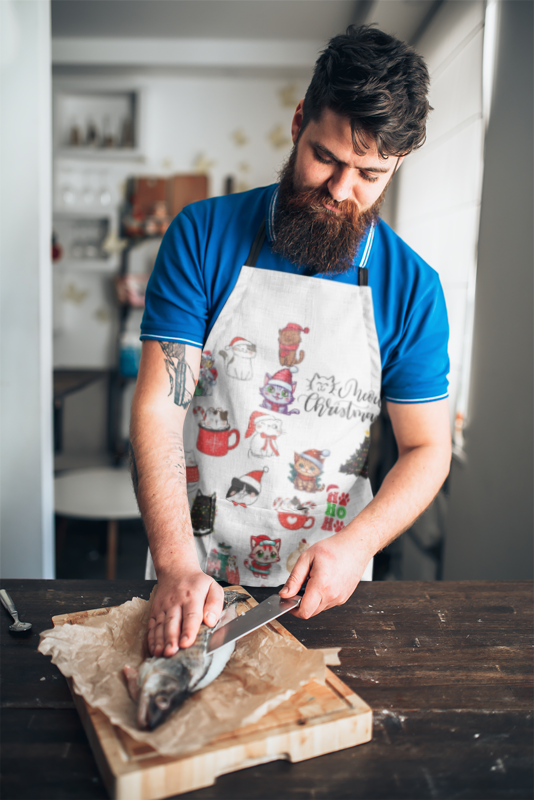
(326,160)
(328,195)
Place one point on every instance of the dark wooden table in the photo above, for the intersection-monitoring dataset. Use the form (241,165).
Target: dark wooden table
(446,667)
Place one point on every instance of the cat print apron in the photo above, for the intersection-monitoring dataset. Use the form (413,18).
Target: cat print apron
(277,435)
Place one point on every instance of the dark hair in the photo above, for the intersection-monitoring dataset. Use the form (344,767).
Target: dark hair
(379,83)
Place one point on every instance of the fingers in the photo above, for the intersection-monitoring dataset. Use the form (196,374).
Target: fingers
(312,603)
(191,622)
(213,604)
(158,633)
(297,577)
(173,619)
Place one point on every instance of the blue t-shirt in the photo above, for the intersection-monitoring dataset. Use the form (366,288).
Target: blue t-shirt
(202,253)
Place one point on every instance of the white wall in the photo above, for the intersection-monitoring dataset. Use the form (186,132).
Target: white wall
(25,324)
(490,524)
(438,195)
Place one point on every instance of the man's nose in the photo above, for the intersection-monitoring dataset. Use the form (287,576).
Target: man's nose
(340,185)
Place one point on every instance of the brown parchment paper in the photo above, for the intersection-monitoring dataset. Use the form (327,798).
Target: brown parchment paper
(264,670)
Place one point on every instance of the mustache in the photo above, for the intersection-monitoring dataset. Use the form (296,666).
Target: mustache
(314,200)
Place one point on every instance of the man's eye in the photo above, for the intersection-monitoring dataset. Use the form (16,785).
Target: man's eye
(322,159)
(369,178)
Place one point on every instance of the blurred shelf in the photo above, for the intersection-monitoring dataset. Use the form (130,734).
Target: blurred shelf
(107,266)
(100,154)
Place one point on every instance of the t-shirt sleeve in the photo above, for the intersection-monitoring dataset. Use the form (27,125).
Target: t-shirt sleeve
(418,365)
(176,307)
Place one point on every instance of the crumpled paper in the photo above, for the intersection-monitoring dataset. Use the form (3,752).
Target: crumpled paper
(264,670)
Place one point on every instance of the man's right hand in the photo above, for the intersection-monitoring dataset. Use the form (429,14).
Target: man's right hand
(180,606)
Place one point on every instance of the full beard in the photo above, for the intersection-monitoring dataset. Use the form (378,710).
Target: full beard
(312,236)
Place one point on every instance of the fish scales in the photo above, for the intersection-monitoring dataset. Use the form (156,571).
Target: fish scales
(161,685)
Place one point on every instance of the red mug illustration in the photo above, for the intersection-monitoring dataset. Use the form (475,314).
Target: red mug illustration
(216,443)
(294,522)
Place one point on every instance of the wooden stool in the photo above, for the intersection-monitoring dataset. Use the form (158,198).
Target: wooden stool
(103,493)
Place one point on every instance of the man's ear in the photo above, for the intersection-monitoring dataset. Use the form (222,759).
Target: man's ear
(296,124)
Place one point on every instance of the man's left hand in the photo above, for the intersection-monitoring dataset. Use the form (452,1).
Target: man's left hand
(333,574)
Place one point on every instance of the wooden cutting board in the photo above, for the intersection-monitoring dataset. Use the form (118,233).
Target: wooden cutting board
(316,720)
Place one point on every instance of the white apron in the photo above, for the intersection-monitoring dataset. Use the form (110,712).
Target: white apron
(276,440)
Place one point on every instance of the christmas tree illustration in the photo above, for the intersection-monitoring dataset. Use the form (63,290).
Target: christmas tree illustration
(358,463)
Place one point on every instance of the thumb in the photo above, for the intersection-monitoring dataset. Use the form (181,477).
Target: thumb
(297,577)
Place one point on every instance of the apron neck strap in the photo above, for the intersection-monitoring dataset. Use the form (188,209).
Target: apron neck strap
(363,276)
(256,246)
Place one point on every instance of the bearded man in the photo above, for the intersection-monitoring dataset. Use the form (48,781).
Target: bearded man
(310,256)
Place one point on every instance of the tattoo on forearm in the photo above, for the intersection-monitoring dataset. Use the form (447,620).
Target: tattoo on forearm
(178,370)
(133,468)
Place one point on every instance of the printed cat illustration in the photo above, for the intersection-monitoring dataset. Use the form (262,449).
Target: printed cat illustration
(278,391)
(322,384)
(294,556)
(214,419)
(221,565)
(203,513)
(289,340)
(238,356)
(207,375)
(244,491)
(264,553)
(307,469)
(263,431)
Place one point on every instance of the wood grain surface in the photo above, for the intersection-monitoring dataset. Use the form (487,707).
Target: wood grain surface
(446,668)
(317,719)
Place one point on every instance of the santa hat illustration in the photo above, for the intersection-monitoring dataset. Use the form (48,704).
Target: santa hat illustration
(283,377)
(253,479)
(266,541)
(252,422)
(292,326)
(237,340)
(317,457)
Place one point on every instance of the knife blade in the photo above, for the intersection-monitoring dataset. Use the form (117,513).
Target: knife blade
(258,616)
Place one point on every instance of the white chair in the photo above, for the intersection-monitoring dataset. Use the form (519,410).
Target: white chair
(103,493)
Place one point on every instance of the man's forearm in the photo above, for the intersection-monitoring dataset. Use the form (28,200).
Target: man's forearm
(159,478)
(407,490)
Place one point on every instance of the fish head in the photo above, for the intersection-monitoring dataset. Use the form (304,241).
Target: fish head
(161,693)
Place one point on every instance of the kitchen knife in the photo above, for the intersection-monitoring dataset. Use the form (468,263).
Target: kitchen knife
(258,616)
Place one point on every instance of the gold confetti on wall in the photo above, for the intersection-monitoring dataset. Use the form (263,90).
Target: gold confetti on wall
(73,294)
(288,96)
(239,137)
(244,166)
(102,314)
(278,137)
(203,164)
(112,245)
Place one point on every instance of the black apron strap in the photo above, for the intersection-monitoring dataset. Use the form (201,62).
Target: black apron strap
(256,246)
(363,276)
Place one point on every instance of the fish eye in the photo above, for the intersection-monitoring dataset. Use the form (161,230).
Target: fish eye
(163,702)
